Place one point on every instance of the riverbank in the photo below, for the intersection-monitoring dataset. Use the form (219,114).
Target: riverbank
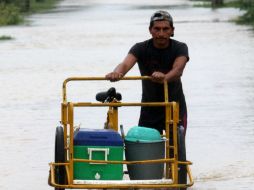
(247,18)
(14,12)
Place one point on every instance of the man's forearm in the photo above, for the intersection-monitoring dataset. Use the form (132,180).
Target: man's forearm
(173,75)
(120,69)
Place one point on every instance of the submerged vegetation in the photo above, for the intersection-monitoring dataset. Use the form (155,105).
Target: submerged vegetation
(12,12)
(4,37)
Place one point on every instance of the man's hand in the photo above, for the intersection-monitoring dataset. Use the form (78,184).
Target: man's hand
(158,77)
(114,76)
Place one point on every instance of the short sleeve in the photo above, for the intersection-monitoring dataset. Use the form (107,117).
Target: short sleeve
(136,50)
(182,50)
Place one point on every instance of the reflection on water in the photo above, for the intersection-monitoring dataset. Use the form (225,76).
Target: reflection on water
(84,38)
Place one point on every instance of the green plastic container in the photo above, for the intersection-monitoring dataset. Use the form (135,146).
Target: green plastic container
(98,145)
(94,171)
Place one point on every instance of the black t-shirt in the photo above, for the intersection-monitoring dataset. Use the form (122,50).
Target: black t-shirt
(152,59)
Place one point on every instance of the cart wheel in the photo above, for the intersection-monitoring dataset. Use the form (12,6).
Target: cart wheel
(60,174)
(182,175)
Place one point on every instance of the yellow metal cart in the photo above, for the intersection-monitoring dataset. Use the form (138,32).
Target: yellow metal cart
(61,174)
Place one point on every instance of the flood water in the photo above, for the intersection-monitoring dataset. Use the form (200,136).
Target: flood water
(88,38)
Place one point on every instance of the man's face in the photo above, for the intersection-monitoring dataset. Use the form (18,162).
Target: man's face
(161,32)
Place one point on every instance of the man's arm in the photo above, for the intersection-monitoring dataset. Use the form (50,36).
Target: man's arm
(174,74)
(121,69)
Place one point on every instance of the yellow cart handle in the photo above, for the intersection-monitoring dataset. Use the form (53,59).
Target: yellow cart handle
(97,78)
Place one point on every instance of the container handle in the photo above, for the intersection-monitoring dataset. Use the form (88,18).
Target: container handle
(91,150)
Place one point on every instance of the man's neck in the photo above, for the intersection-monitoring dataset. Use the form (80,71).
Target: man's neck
(161,46)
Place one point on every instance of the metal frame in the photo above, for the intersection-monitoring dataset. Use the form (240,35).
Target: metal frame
(172,120)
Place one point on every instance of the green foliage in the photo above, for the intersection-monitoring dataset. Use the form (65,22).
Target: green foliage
(9,14)
(7,1)
(29,6)
(248,17)
(23,5)
(246,4)
(41,5)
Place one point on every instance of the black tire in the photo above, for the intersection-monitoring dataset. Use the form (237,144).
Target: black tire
(60,174)
(182,175)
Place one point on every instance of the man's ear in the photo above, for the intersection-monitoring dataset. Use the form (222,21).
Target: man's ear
(173,31)
(150,29)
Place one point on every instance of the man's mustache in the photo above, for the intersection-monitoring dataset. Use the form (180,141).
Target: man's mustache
(161,38)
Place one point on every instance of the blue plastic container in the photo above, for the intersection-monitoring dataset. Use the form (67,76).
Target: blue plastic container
(97,137)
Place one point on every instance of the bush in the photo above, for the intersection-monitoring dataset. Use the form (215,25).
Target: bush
(9,14)
(248,17)
(4,37)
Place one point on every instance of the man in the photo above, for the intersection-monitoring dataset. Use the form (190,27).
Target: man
(163,59)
